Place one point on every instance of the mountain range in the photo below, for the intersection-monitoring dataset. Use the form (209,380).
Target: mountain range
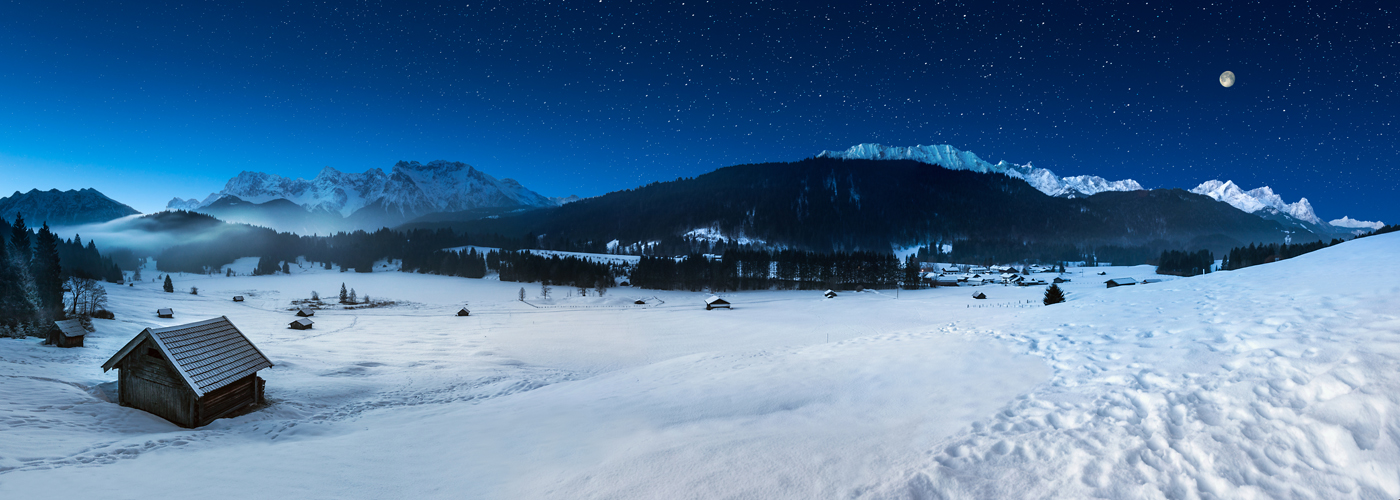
(828,203)
(953,158)
(334,200)
(63,208)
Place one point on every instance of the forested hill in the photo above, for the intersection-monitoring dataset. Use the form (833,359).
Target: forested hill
(826,204)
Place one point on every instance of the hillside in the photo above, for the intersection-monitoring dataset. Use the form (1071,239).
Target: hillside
(63,208)
(834,204)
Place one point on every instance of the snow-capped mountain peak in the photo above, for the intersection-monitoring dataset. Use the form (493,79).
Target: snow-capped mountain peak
(953,158)
(1350,223)
(411,188)
(1257,199)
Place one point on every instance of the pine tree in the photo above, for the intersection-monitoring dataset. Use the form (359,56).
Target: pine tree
(286,268)
(343,295)
(315,296)
(1054,295)
(169,287)
(229,273)
(47,274)
(12,303)
(522,294)
(19,240)
(136,275)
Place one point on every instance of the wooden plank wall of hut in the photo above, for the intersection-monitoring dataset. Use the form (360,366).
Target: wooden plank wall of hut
(228,399)
(151,384)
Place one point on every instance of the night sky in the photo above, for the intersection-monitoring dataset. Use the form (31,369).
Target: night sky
(147,100)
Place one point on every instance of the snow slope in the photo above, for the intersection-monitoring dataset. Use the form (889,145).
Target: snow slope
(955,159)
(1276,381)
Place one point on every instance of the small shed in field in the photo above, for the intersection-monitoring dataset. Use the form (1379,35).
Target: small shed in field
(716,303)
(640,302)
(190,374)
(165,312)
(946,281)
(70,333)
(979,295)
(238,298)
(464,312)
(305,312)
(1120,282)
(1151,280)
(301,324)
(829,294)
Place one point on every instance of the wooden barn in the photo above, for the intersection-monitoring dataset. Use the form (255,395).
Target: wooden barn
(464,312)
(70,333)
(238,298)
(165,312)
(301,324)
(305,312)
(979,295)
(190,374)
(1120,282)
(716,303)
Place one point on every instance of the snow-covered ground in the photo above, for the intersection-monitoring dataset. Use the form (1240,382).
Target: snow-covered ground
(1276,381)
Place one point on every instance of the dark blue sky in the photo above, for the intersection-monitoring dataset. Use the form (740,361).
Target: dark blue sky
(148,100)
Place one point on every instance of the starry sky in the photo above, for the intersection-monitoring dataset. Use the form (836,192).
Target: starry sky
(150,100)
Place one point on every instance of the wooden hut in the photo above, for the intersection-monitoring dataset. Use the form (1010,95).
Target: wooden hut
(979,295)
(190,374)
(305,312)
(1120,282)
(165,312)
(238,298)
(301,324)
(70,333)
(464,312)
(829,294)
(640,302)
(716,303)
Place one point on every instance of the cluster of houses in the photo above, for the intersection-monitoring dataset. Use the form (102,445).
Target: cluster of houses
(977,276)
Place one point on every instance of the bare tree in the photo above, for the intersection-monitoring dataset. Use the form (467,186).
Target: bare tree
(522,294)
(600,289)
(544,289)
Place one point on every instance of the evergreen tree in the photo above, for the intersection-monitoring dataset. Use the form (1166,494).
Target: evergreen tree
(47,274)
(286,268)
(13,307)
(522,294)
(136,275)
(169,287)
(315,296)
(1054,295)
(229,273)
(19,241)
(343,295)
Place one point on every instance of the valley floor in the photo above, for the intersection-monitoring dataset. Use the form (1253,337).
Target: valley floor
(1276,381)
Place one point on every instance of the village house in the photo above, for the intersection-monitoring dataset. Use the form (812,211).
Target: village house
(70,333)
(716,303)
(190,374)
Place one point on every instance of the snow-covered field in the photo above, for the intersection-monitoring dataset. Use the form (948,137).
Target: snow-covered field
(1277,381)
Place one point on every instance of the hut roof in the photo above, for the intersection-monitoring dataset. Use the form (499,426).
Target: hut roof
(165,310)
(715,300)
(71,328)
(1122,281)
(305,311)
(238,298)
(208,354)
(303,322)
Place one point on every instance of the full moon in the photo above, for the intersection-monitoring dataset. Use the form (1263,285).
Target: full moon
(1227,79)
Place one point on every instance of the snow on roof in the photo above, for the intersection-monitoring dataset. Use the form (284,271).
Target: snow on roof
(165,310)
(208,354)
(71,328)
(303,322)
(715,300)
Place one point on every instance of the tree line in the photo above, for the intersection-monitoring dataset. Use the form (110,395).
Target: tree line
(44,278)
(1253,255)
(762,270)
(1179,263)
